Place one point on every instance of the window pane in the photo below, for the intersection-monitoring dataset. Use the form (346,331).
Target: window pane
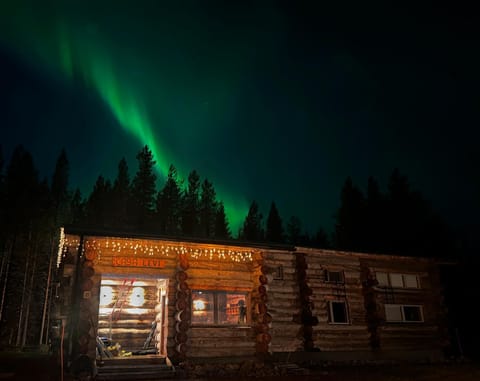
(412,313)
(393,312)
(339,312)
(382,279)
(232,308)
(396,280)
(410,281)
(335,276)
(202,307)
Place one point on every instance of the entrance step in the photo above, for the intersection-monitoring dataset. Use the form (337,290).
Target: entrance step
(135,368)
(292,369)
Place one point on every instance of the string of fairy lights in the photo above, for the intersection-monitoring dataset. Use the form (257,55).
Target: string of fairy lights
(136,247)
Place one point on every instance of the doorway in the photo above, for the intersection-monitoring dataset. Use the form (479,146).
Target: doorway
(132,315)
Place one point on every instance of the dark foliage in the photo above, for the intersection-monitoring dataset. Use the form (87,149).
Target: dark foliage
(398,222)
(252,227)
(274,230)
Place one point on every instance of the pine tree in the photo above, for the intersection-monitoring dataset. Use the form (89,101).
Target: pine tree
(274,231)
(349,229)
(77,207)
(208,209)
(222,229)
(121,197)
(169,205)
(143,189)
(191,205)
(320,239)
(294,230)
(59,190)
(97,206)
(375,218)
(252,226)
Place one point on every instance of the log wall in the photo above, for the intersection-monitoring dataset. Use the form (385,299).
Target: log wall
(283,301)
(287,299)
(328,336)
(427,335)
(223,275)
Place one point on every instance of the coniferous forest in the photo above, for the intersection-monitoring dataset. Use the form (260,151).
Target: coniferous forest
(32,209)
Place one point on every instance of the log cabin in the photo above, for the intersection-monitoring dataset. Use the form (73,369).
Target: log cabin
(130,295)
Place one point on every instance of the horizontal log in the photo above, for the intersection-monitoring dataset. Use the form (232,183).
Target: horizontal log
(224,284)
(220,352)
(237,342)
(197,332)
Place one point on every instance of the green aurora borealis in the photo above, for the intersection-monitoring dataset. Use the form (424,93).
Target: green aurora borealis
(271,101)
(80,52)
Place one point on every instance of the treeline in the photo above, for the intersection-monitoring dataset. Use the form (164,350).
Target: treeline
(32,209)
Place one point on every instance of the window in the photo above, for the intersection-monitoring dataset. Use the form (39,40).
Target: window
(400,313)
(334,276)
(219,307)
(397,280)
(338,313)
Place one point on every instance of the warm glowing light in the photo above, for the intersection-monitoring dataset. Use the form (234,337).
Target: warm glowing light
(199,305)
(106,295)
(137,298)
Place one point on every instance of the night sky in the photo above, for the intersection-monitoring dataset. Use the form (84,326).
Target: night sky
(271,101)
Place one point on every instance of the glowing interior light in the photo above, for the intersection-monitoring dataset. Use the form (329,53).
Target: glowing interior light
(137,298)
(199,305)
(106,295)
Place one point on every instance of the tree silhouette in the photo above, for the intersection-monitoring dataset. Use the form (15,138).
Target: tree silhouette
(169,205)
(97,209)
(320,239)
(77,207)
(252,226)
(121,197)
(274,230)
(191,205)
(294,230)
(222,229)
(208,209)
(349,229)
(144,189)
(59,190)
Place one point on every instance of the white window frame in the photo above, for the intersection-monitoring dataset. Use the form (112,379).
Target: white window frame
(331,315)
(327,276)
(403,276)
(401,307)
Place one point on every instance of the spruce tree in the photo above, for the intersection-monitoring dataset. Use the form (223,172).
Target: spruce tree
(222,229)
(294,230)
(191,205)
(168,218)
(144,189)
(208,209)
(252,226)
(59,190)
(121,197)
(349,229)
(77,208)
(274,230)
(97,208)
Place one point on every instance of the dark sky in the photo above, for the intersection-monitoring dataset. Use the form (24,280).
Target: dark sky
(272,101)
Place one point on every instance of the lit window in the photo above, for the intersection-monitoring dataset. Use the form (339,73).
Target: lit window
(397,280)
(399,313)
(338,313)
(219,307)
